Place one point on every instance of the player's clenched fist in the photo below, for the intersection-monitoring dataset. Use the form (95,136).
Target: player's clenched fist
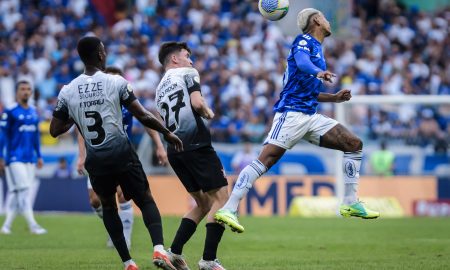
(326,75)
(343,95)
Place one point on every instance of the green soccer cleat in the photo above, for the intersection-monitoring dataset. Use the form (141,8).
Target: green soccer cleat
(358,210)
(227,217)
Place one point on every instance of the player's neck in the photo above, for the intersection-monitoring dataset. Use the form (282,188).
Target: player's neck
(170,66)
(91,70)
(318,35)
(23,104)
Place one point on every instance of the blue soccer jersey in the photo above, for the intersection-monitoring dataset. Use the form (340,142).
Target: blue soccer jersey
(300,85)
(127,121)
(20,135)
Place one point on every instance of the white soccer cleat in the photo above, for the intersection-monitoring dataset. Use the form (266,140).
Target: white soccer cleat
(177,260)
(38,230)
(132,266)
(5,230)
(210,265)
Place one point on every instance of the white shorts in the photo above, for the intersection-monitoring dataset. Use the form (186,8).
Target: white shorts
(290,127)
(89,185)
(20,175)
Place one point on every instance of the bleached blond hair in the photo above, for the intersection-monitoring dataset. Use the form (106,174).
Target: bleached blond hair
(304,17)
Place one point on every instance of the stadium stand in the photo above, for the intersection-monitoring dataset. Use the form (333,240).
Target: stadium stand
(393,50)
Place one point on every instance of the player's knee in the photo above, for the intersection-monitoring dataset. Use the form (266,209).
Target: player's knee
(353,145)
(204,208)
(142,199)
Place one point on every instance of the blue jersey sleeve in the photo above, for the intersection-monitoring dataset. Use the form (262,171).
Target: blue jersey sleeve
(304,63)
(4,125)
(302,50)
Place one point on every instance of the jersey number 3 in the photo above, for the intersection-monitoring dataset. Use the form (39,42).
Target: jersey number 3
(96,127)
(178,96)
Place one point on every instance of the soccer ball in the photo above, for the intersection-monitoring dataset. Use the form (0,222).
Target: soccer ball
(273,10)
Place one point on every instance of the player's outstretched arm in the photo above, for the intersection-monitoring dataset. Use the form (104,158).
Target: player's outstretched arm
(150,121)
(160,151)
(200,106)
(58,126)
(341,96)
(81,154)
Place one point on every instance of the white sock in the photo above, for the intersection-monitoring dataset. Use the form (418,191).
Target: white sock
(351,166)
(11,209)
(129,262)
(26,207)
(159,248)
(244,183)
(127,218)
(98,211)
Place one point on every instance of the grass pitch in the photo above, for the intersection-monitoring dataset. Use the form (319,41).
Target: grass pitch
(79,242)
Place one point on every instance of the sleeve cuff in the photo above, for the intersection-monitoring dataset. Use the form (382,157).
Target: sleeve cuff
(61,115)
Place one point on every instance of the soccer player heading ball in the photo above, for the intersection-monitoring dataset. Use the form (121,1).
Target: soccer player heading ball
(296,118)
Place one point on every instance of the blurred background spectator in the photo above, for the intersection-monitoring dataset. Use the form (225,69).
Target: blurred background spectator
(391,50)
(63,171)
(382,161)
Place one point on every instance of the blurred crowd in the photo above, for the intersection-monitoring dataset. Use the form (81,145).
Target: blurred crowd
(392,50)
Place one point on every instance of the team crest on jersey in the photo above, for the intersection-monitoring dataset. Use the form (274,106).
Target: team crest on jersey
(302,42)
(4,116)
(129,88)
(189,80)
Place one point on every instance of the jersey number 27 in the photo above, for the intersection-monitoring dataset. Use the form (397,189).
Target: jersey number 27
(172,114)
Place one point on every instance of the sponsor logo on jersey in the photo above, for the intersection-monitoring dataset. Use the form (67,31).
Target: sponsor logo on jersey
(303,48)
(306,37)
(302,42)
(59,105)
(27,128)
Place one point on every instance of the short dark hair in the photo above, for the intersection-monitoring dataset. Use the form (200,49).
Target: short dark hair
(168,48)
(88,48)
(113,70)
(18,83)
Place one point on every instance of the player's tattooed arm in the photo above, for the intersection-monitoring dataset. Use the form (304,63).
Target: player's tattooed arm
(341,96)
(58,126)
(200,106)
(150,121)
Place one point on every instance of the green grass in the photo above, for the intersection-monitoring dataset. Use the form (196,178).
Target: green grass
(78,242)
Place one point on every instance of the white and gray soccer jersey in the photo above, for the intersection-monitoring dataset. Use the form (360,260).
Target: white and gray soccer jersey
(94,103)
(174,105)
